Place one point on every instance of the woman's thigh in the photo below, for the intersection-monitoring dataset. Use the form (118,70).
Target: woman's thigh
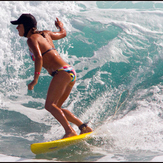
(58,87)
(65,94)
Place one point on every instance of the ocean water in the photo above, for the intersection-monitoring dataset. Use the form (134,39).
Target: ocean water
(116,48)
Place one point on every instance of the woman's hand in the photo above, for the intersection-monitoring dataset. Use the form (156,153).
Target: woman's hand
(32,84)
(60,34)
(58,23)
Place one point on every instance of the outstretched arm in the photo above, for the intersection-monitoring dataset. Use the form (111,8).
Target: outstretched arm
(60,34)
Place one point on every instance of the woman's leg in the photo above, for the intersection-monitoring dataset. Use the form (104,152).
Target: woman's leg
(56,90)
(70,116)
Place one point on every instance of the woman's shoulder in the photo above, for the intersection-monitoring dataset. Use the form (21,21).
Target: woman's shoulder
(34,38)
(46,31)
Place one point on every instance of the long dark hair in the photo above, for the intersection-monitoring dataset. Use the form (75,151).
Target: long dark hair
(34,31)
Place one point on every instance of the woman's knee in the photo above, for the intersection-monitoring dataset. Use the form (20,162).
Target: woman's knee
(50,106)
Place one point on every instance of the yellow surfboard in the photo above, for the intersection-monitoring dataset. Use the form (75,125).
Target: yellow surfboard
(44,147)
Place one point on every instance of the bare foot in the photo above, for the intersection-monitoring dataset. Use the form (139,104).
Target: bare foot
(85,130)
(70,134)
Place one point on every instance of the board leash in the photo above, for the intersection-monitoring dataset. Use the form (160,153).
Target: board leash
(117,108)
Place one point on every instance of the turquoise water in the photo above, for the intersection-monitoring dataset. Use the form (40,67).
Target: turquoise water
(116,49)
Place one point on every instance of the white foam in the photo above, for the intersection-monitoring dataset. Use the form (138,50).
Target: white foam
(140,129)
(33,114)
(157,159)
(5,158)
(109,158)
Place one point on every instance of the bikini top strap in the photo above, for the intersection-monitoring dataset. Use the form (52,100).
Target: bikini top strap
(48,50)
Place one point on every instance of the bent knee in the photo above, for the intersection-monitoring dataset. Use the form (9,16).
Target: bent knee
(50,107)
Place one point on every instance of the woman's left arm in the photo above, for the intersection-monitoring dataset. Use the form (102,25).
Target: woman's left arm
(58,35)
(33,45)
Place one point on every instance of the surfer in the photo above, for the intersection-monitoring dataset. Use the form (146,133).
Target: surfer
(44,54)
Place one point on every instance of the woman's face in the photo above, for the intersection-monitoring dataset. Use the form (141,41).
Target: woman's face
(20,29)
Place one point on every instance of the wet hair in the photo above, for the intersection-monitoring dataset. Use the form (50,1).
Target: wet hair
(35,31)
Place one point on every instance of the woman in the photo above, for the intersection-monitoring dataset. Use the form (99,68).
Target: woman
(45,55)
